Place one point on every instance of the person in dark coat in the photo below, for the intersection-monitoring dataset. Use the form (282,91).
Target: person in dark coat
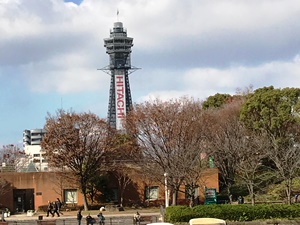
(79,217)
(59,205)
(55,209)
(89,220)
(50,209)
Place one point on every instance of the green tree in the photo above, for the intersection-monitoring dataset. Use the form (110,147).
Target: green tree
(216,101)
(275,112)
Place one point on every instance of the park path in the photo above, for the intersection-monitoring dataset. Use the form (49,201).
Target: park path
(69,218)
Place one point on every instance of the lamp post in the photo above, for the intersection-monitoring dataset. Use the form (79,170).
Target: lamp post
(166,190)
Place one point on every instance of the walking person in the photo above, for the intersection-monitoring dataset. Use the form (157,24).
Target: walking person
(59,205)
(55,209)
(50,209)
(137,218)
(79,217)
(101,218)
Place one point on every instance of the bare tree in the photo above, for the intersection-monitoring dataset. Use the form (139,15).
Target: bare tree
(123,174)
(79,142)
(3,186)
(13,159)
(287,160)
(122,157)
(62,179)
(225,140)
(237,151)
(195,179)
(250,168)
(170,136)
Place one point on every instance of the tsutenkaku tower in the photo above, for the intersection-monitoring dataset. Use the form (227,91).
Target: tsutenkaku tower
(118,47)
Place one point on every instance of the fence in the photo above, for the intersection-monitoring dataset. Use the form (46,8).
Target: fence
(71,221)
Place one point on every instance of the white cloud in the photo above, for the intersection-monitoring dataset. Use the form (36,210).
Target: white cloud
(70,81)
(201,83)
(163,95)
(192,47)
(278,73)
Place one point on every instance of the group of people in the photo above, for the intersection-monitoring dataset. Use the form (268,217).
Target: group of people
(54,208)
(89,219)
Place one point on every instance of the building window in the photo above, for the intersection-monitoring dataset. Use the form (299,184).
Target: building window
(36,155)
(70,195)
(151,193)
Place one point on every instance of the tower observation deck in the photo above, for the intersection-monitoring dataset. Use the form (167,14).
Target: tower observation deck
(118,47)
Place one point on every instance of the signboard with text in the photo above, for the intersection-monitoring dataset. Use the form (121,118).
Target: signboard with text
(210,196)
(120,98)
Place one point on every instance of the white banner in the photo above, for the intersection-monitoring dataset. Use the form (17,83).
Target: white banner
(120,97)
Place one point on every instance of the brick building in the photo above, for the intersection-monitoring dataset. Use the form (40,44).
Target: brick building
(28,191)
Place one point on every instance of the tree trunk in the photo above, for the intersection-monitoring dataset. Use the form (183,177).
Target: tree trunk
(229,194)
(192,200)
(85,203)
(174,198)
(121,199)
(288,187)
(252,195)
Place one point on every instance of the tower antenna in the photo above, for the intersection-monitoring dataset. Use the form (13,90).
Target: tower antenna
(117,15)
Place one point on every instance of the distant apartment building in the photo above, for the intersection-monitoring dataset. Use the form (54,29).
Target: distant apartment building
(32,147)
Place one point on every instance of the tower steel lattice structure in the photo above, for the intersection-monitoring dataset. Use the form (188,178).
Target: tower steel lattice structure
(118,47)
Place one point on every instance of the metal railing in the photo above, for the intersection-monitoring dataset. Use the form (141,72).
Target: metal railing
(71,221)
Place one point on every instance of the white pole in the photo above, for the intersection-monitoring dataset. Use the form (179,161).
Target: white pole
(166,190)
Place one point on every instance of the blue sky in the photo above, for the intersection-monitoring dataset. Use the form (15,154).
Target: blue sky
(74,1)
(51,50)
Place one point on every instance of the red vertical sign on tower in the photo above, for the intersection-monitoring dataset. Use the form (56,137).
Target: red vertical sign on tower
(120,99)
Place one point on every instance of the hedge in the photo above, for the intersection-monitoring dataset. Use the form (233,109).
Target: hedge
(243,212)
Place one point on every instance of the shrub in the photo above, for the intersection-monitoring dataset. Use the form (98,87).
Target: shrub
(228,212)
